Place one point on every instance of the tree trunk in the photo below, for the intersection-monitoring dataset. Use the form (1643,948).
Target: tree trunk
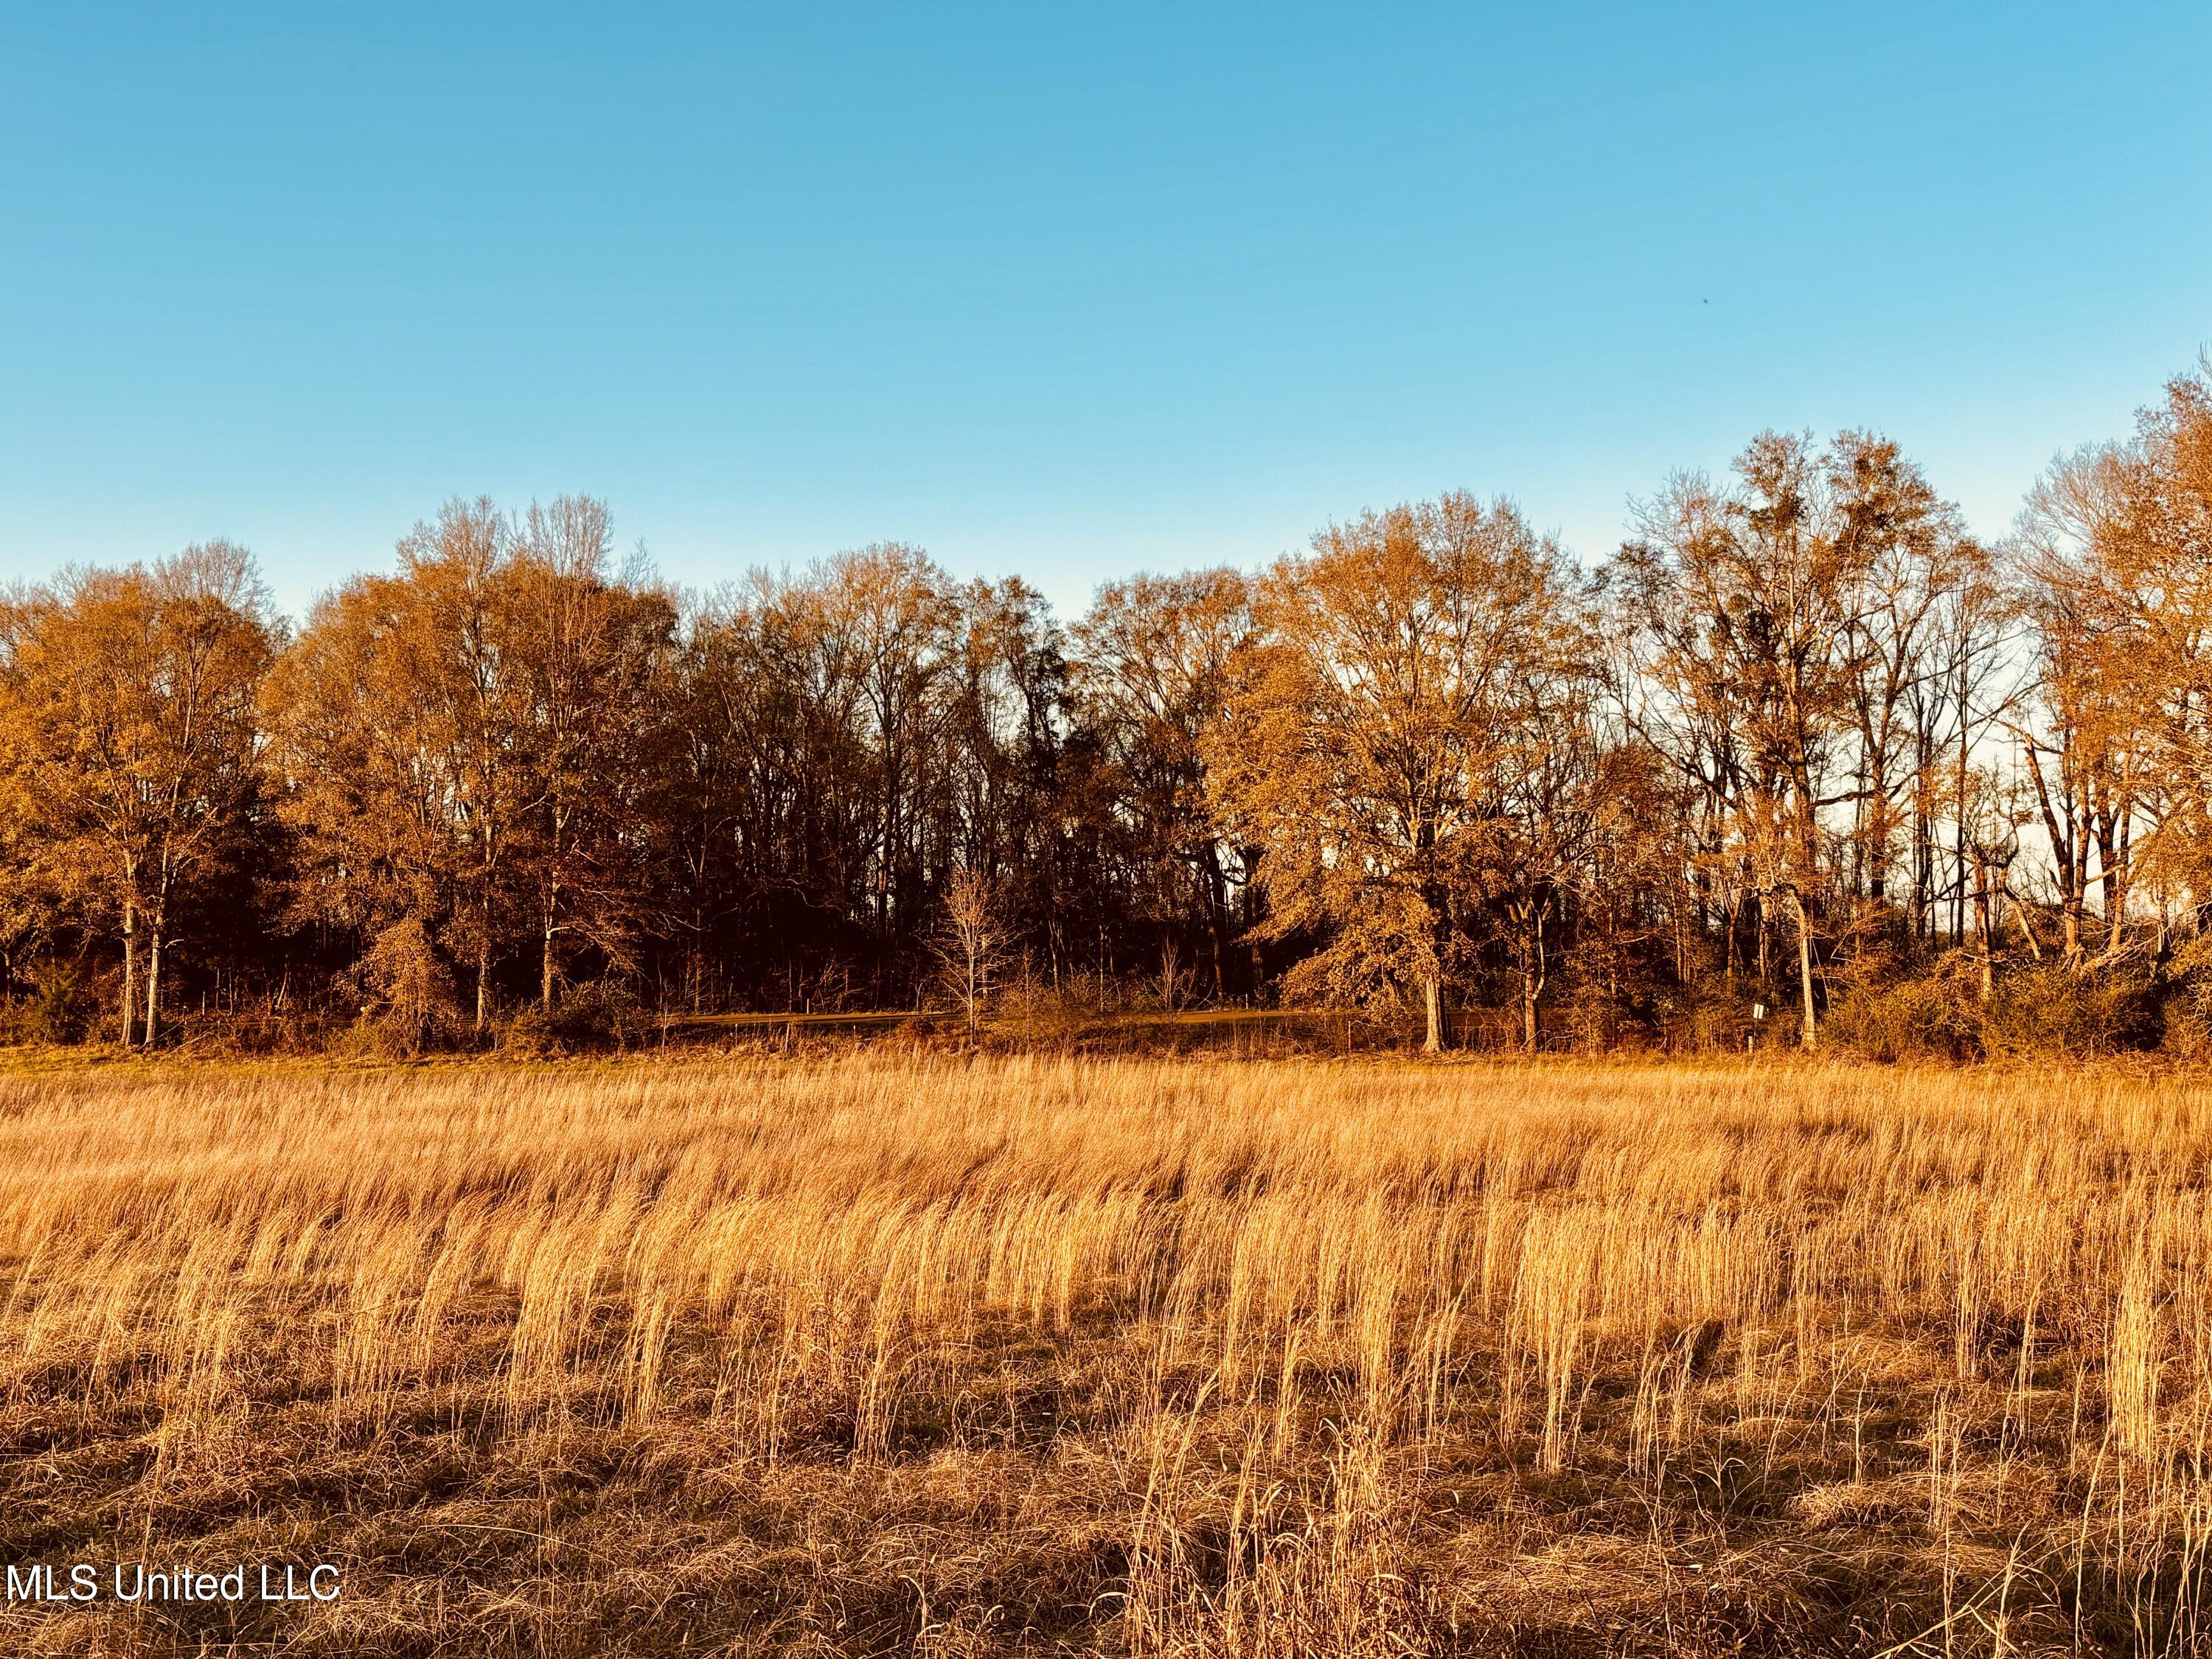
(1806,1029)
(552,922)
(1924,876)
(1217,912)
(153,979)
(545,971)
(1985,933)
(129,972)
(1966,741)
(1432,1004)
(1532,977)
(484,986)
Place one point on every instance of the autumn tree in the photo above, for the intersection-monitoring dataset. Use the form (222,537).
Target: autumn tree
(581,659)
(127,704)
(1370,725)
(1774,628)
(397,734)
(1545,788)
(2085,729)
(2116,545)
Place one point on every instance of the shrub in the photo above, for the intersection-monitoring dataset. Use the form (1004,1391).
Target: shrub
(1933,1016)
(2048,1009)
(2036,1011)
(2186,1013)
(406,991)
(53,1012)
(588,1019)
(1700,1018)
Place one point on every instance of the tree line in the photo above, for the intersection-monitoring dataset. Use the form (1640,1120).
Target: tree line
(1801,756)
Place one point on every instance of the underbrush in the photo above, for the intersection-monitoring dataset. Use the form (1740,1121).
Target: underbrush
(2042,1011)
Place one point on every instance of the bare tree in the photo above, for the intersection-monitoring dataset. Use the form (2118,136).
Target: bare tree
(971,942)
(1153,677)
(1758,606)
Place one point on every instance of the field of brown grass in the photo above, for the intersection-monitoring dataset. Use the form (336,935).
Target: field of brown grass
(882,1354)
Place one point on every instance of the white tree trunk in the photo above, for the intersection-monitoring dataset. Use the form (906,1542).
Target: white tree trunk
(154,981)
(129,972)
(1806,1029)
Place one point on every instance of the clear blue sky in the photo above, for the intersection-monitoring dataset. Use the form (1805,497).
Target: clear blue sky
(1071,292)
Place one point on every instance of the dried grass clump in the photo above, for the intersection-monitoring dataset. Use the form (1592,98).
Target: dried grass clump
(890,1353)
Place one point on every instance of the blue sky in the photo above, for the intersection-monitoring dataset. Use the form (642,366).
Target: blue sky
(1065,292)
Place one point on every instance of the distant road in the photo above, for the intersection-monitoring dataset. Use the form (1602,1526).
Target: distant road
(899,1017)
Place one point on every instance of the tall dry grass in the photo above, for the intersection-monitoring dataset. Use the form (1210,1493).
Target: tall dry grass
(882,1354)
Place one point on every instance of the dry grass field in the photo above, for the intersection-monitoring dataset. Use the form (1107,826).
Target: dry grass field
(884,1354)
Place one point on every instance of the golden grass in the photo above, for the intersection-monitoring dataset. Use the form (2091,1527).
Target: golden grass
(882,1354)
